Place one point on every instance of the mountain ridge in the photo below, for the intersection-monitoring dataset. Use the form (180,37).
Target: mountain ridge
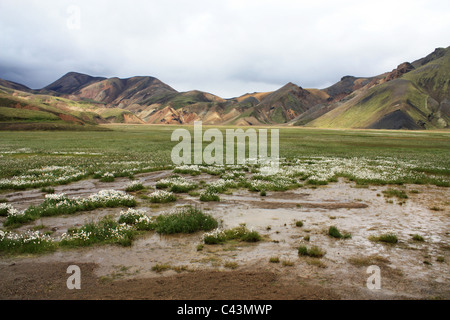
(406,98)
(412,96)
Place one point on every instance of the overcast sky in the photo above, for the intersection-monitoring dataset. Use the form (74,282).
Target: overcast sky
(224,47)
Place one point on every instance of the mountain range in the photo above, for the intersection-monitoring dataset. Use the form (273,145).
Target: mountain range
(414,95)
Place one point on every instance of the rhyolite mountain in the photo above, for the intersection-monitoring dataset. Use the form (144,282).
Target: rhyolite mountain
(13,85)
(71,82)
(412,96)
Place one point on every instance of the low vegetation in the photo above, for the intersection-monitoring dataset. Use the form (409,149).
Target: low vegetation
(138,219)
(176,184)
(27,242)
(335,233)
(368,260)
(161,196)
(400,194)
(60,204)
(107,177)
(48,190)
(287,263)
(106,231)
(274,260)
(134,186)
(185,220)
(314,252)
(417,237)
(121,231)
(231,265)
(5,208)
(240,233)
(386,238)
(209,195)
(161,267)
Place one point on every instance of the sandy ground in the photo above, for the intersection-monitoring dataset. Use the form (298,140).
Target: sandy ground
(409,269)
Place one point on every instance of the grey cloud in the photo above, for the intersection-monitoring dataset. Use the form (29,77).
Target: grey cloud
(226,48)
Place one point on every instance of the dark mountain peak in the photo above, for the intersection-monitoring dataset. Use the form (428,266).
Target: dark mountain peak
(80,77)
(145,83)
(346,86)
(436,54)
(75,74)
(71,82)
(114,92)
(141,78)
(13,85)
(405,65)
(290,85)
(348,78)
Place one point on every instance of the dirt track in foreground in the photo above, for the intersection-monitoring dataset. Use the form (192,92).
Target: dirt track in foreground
(48,281)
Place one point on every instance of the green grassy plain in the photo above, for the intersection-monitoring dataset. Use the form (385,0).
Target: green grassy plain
(426,152)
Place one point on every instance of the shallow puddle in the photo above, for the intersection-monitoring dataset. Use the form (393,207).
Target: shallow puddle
(411,267)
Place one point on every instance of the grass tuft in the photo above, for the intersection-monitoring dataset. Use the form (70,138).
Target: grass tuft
(209,195)
(134,186)
(417,237)
(240,233)
(274,260)
(314,252)
(185,220)
(400,194)
(386,238)
(335,233)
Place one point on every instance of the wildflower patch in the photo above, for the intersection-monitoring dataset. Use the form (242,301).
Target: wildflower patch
(60,204)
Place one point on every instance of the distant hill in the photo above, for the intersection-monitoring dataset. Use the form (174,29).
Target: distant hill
(13,85)
(122,93)
(412,96)
(406,98)
(20,110)
(71,82)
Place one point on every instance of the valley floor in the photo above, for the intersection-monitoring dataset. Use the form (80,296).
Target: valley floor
(180,267)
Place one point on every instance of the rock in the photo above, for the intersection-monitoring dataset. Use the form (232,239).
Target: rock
(401,70)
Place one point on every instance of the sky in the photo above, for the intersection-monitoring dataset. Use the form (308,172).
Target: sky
(227,48)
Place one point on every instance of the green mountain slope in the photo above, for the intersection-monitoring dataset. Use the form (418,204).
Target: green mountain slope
(419,99)
(21,110)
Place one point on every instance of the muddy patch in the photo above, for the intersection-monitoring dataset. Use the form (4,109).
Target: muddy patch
(323,205)
(47,281)
(409,268)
